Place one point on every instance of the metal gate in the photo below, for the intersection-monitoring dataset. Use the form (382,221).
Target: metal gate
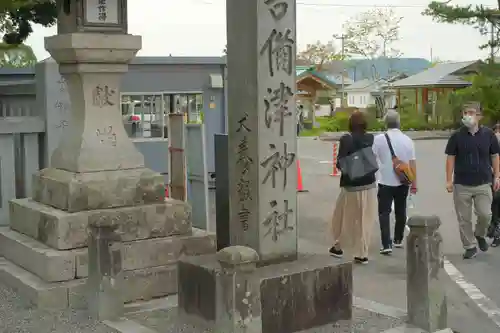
(197,177)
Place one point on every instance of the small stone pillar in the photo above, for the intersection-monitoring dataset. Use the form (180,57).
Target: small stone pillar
(426,298)
(238,307)
(105,279)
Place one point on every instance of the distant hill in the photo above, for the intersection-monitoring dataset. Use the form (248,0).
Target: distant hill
(359,69)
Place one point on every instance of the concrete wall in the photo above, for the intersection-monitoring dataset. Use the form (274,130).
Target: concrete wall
(360,99)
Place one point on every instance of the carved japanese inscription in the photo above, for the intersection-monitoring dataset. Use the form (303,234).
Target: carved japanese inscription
(279,51)
(277,8)
(245,162)
(103,96)
(277,106)
(276,221)
(277,54)
(275,162)
(107,135)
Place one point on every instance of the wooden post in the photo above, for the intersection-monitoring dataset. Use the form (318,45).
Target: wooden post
(177,165)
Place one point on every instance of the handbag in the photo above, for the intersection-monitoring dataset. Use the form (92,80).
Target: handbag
(402,170)
(359,163)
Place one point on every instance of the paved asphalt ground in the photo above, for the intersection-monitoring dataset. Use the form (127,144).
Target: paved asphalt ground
(383,279)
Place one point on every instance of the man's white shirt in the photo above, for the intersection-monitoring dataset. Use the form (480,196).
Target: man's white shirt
(404,148)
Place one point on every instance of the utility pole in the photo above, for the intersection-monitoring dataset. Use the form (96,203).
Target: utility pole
(342,55)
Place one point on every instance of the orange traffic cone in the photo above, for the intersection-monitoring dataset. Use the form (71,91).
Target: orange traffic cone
(300,188)
(335,170)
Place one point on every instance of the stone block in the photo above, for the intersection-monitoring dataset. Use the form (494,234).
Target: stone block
(62,230)
(138,285)
(156,251)
(75,192)
(49,264)
(288,297)
(31,288)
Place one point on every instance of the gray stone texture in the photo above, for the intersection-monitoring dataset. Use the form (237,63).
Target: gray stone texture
(262,137)
(426,297)
(62,230)
(105,282)
(75,192)
(287,297)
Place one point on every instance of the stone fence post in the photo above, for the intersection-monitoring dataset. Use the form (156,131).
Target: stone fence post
(426,297)
(105,301)
(237,306)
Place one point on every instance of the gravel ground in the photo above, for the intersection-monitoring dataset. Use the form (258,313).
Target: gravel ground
(166,321)
(16,316)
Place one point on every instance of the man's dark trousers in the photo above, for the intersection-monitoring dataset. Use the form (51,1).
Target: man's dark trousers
(386,196)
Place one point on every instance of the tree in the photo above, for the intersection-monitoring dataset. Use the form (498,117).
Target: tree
(16,56)
(485,89)
(371,34)
(17,17)
(320,54)
(485,20)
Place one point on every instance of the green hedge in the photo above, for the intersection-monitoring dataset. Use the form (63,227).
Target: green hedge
(409,122)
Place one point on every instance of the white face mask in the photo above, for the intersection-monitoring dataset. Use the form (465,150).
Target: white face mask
(469,121)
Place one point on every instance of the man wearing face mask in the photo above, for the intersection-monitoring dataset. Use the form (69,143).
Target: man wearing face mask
(472,154)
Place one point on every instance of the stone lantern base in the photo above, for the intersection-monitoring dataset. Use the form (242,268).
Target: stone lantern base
(96,173)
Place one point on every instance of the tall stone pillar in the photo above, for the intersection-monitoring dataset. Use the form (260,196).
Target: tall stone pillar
(261,37)
(283,291)
(96,174)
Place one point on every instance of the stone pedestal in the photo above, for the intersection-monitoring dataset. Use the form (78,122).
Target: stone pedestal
(426,297)
(230,293)
(96,173)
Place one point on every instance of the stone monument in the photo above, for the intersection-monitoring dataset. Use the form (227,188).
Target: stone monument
(261,283)
(95,173)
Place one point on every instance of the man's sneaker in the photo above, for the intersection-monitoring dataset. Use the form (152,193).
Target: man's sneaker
(338,253)
(482,243)
(362,261)
(470,253)
(386,251)
(496,242)
(398,244)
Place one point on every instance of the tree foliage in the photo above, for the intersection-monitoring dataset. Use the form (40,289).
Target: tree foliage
(479,16)
(16,56)
(18,16)
(320,54)
(485,89)
(372,34)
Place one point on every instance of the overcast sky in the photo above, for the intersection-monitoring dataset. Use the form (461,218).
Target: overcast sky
(197,27)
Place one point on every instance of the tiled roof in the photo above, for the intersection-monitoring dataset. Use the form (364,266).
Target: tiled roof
(440,75)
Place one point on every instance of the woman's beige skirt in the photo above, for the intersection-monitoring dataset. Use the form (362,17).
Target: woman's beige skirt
(352,221)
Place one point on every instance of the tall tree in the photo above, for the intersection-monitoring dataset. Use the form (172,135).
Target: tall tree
(16,56)
(320,54)
(372,34)
(17,17)
(486,20)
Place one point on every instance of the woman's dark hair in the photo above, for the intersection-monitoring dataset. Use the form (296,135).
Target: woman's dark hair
(357,122)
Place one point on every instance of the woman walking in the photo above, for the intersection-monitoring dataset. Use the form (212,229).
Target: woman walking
(356,206)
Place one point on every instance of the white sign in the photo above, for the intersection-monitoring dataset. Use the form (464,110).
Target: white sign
(102,11)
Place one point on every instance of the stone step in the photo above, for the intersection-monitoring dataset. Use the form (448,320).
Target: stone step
(157,252)
(33,289)
(63,231)
(47,263)
(138,285)
(54,265)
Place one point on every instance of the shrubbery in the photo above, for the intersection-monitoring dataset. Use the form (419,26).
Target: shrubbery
(410,121)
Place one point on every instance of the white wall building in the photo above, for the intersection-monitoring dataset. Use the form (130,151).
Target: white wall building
(365,93)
